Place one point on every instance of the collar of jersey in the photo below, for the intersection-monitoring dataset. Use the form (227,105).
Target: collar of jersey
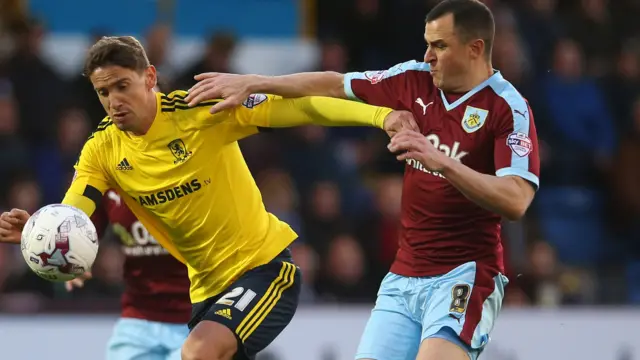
(155,126)
(450,106)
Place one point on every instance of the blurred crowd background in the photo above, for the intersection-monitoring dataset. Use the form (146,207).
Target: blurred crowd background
(577,61)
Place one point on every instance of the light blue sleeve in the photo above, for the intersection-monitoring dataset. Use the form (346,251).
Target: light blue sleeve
(360,85)
(516,154)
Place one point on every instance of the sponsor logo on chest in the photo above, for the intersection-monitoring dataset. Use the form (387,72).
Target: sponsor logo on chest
(453,151)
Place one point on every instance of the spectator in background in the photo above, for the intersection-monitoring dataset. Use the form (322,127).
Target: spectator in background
(626,183)
(82,95)
(217,58)
(541,28)
(586,136)
(380,230)
(366,34)
(333,57)
(323,216)
(24,192)
(21,290)
(55,159)
(623,85)
(309,263)
(280,198)
(581,141)
(157,42)
(38,89)
(345,278)
(593,28)
(510,57)
(14,151)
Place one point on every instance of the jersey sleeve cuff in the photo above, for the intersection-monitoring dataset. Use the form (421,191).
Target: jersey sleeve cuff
(512,171)
(348,78)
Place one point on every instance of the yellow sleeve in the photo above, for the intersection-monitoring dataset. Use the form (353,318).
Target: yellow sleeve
(89,181)
(270,111)
(277,112)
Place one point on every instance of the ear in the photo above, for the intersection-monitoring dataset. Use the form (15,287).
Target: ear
(476,48)
(151,77)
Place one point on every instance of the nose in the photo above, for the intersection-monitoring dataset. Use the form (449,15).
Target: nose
(115,102)
(429,55)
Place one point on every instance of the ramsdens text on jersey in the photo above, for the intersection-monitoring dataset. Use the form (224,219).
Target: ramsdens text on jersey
(170,194)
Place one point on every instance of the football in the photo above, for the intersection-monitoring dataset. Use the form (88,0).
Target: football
(59,242)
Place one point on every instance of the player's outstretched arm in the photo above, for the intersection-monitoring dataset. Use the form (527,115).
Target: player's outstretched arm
(324,111)
(234,89)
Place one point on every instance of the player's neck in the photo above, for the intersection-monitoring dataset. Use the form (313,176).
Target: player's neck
(150,116)
(478,74)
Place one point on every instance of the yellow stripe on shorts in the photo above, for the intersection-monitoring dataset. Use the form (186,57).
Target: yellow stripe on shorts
(257,315)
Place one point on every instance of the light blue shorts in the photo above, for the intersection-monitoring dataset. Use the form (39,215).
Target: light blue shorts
(137,339)
(460,306)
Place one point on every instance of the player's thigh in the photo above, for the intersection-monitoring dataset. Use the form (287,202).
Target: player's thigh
(392,332)
(210,340)
(255,310)
(462,310)
(133,339)
(445,347)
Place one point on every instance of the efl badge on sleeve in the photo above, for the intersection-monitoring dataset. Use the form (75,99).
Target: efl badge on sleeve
(375,77)
(473,119)
(520,144)
(254,100)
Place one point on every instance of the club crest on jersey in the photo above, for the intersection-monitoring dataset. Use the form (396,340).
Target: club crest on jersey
(179,151)
(520,144)
(473,119)
(254,100)
(375,77)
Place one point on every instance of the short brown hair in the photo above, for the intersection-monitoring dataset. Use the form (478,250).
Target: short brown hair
(124,51)
(471,18)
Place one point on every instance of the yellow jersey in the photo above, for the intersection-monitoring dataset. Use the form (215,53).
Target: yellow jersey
(187,182)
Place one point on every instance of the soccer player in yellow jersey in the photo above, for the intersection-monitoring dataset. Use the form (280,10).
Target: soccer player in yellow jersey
(181,172)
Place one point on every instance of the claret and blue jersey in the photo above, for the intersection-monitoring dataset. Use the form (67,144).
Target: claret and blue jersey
(447,279)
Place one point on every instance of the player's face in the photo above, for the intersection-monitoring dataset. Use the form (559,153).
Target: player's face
(126,95)
(448,57)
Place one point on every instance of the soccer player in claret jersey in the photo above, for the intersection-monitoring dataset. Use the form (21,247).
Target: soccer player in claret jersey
(155,301)
(180,171)
(475,160)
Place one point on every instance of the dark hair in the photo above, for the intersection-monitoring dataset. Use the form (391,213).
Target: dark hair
(124,51)
(471,18)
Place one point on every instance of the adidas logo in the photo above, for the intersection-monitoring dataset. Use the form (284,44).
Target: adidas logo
(124,165)
(225,313)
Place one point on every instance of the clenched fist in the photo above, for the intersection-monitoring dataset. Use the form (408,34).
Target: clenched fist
(11,224)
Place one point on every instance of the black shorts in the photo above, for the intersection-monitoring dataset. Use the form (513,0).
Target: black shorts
(257,306)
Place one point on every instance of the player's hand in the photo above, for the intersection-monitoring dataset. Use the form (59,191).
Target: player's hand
(399,120)
(234,89)
(77,282)
(11,224)
(413,145)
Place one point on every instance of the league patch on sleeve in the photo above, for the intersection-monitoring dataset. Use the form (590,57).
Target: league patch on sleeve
(254,100)
(520,144)
(375,77)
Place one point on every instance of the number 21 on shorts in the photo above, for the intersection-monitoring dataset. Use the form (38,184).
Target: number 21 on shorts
(242,303)
(459,298)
